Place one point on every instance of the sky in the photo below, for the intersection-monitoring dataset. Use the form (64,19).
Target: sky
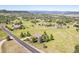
(40,7)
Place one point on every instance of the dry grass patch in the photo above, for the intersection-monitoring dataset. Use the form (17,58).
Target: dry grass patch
(13,47)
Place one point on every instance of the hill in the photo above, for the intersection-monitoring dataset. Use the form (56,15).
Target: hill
(55,12)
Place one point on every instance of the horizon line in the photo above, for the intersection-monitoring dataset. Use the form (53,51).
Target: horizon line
(42,10)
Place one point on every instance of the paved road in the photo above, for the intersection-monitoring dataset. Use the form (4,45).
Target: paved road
(25,45)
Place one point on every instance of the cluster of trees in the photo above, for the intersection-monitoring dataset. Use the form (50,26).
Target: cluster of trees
(77,26)
(22,35)
(49,25)
(9,28)
(6,19)
(34,21)
(61,22)
(50,18)
(44,38)
(22,27)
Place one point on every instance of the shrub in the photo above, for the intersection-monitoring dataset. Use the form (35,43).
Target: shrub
(44,46)
(20,22)
(22,34)
(34,22)
(76,49)
(9,28)
(28,34)
(48,25)
(34,39)
(76,25)
(77,30)
(22,27)
(67,26)
(51,37)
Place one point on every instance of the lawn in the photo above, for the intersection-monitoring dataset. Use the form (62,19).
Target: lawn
(65,39)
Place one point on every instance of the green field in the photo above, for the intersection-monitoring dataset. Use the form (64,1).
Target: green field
(65,39)
(64,42)
(2,34)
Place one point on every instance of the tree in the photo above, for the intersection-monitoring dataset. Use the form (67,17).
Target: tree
(34,22)
(22,27)
(34,39)
(9,28)
(77,30)
(20,22)
(22,34)
(28,34)
(45,37)
(51,37)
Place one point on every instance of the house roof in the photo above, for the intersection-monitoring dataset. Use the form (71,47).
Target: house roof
(37,35)
(16,26)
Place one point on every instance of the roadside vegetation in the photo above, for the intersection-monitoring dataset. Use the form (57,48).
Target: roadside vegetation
(2,35)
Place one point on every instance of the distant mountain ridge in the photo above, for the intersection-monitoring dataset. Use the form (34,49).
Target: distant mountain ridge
(55,12)
(41,12)
(7,11)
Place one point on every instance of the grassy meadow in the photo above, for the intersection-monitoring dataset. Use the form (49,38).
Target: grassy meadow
(2,35)
(65,39)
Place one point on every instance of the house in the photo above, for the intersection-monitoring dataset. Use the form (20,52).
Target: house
(38,37)
(17,26)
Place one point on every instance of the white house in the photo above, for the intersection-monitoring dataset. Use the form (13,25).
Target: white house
(38,36)
(17,26)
